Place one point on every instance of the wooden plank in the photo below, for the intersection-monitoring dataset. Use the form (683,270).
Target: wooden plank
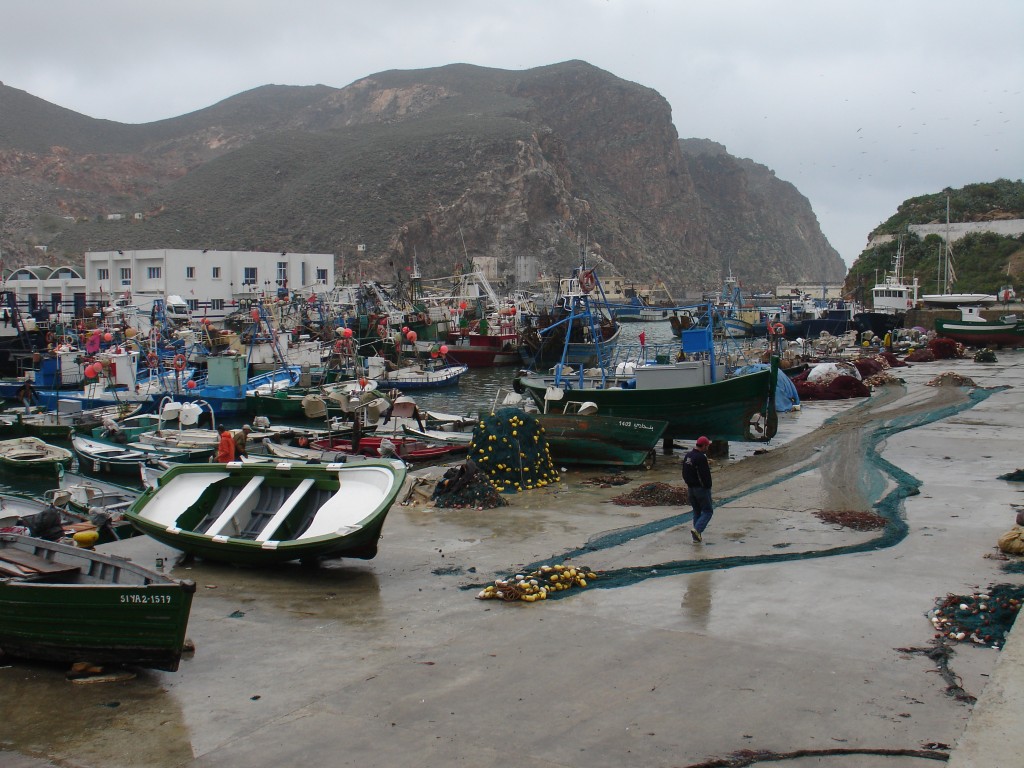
(34,562)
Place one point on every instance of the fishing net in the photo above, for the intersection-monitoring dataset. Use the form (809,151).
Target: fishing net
(951,379)
(538,584)
(838,388)
(606,481)
(945,349)
(510,448)
(653,495)
(882,380)
(857,521)
(985,356)
(922,355)
(464,485)
(983,618)
(1012,542)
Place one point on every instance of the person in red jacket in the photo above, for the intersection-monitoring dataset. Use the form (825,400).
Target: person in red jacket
(226,446)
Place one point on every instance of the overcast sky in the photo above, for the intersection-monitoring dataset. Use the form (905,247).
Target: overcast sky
(859,104)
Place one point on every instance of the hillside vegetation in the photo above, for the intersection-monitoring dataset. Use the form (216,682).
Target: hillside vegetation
(984,262)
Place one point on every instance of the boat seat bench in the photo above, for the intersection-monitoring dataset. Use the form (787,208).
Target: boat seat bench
(290,503)
(228,523)
(33,567)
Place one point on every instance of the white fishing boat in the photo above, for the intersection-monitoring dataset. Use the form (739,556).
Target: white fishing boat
(269,513)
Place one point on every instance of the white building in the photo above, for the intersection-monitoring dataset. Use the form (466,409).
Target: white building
(60,291)
(212,283)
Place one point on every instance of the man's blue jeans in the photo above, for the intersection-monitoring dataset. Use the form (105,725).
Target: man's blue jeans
(700,500)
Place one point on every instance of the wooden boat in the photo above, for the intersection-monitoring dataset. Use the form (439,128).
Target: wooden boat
(586,437)
(99,455)
(575,331)
(477,350)
(431,374)
(299,453)
(695,396)
(260,513)
(30,455)
(46,425)
(99,503)
(406,448)
(64,604)
(973,330)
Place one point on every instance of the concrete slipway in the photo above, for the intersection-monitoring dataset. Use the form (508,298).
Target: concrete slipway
(780,633)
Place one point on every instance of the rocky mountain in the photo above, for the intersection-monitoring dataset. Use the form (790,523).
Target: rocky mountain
(441,164)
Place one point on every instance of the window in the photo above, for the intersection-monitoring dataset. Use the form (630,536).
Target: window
(216,273)
(153,273)
(126,273)
(249,276)
(216,303)
(102,273)
(190,273)
(321,275)
(193,304)
(282,271)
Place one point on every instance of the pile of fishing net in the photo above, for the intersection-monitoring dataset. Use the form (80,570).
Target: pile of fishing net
(857,521)
(945,349)
(951,379)
(985,356)
(464,485)
(871,366)
(537,585)
(837,387)
(510,448)
(983,618)
(920,355)
(882,380)
(1012,542)
(654,495)
(606,481)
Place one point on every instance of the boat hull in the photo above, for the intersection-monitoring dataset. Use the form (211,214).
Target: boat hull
(601,440)
(478,351)
(737,408)
(340,512)
(975,334)
(140,624)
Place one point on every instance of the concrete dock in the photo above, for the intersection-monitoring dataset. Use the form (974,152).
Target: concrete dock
(780,634)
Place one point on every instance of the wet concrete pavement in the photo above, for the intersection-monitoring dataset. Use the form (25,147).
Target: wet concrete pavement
(779,633)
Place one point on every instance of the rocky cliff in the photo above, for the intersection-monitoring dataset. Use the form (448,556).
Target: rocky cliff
(442,164)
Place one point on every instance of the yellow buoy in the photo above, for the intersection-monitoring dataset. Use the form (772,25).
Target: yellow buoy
(86,539)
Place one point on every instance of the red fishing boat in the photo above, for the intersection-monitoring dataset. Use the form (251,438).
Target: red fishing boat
(407,448)
(479,351)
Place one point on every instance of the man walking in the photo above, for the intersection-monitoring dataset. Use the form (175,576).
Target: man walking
(697,476)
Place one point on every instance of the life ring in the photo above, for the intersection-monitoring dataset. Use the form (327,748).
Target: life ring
(779,329)
(152,360)
(587,281)
(180,362)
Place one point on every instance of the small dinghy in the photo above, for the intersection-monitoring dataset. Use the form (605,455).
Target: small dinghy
(65,604)
(270,513)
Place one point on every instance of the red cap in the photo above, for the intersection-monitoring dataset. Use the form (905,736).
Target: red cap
(702,441)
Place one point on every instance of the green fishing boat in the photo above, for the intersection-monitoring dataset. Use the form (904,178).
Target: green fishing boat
(589,438)
(259,514)
(688,386)
(65,604)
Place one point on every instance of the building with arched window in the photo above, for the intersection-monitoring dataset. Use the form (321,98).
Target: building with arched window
(47,291)
(210,282)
